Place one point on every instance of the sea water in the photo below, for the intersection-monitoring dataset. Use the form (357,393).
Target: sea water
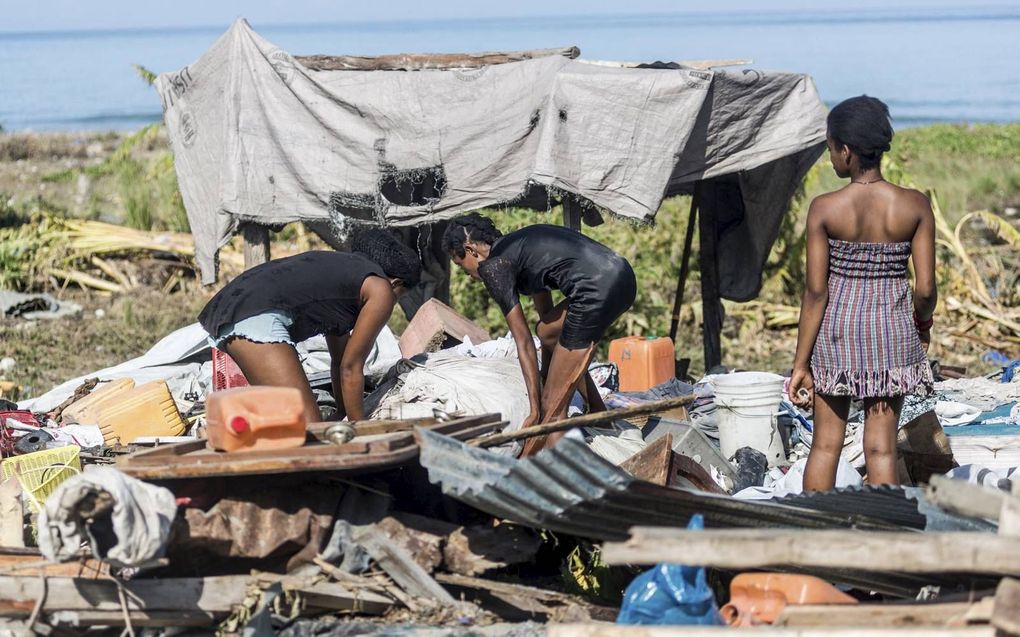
(928,64)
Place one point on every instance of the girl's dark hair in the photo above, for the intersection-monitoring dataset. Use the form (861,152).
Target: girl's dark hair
(397,260)
(862,123)
(470,227)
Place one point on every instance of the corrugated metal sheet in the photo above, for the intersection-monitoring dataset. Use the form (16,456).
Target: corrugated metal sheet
(571,490)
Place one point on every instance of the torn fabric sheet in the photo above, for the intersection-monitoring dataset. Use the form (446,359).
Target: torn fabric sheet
(258,137)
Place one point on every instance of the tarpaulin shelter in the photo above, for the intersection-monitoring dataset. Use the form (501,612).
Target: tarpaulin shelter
(263,138)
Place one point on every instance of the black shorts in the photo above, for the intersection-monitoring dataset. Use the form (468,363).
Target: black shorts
(592,309)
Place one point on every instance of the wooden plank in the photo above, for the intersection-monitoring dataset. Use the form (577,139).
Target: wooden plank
(156,618)
(587,420)
(698,65)
(528,599)
(859,550)
(1006,611)
(364,452)
(411,577)
(653,463)
(208,595)
(965,498)
(333,596)
(609,630)
(946,614)
(426,61)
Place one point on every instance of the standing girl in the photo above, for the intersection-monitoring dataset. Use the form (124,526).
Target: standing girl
(862,334)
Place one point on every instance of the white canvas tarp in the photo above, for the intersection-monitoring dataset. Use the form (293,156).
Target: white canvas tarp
(258,137)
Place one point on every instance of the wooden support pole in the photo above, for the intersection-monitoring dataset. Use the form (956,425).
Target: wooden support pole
(685,265)
(571,213)
(256,244)
(711,306)
(957,552)
(427,61)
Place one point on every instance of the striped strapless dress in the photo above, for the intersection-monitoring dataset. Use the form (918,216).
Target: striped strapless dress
(868,345)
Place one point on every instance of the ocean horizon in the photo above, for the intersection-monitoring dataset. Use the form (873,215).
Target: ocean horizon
(929,65)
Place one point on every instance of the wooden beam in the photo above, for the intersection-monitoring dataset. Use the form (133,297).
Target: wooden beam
(698,65)
(400,566)
(945,614)
(188,594)
(860,550)
(427,61)
(653,463)
(256,244)
(333,596)
(685,264)
(587,420)
(1006,611)
(612,630)
(965,498)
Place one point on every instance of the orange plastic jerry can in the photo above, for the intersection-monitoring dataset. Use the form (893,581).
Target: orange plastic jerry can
(255,418)
(643,362)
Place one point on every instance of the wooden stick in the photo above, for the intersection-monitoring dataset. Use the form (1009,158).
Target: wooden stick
(587,420)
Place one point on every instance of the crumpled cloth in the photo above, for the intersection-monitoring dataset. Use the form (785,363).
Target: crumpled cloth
(133,535)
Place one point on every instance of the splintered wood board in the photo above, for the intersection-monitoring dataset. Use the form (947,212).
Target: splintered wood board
(380,451)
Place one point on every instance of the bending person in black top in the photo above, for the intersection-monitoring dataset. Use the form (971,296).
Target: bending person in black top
(598,284)
(346,296)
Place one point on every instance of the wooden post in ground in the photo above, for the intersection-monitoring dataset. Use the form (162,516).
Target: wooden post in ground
(571,213)
(256,244)
(685,265)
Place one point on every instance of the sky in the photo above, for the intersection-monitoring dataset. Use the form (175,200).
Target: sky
(65,15)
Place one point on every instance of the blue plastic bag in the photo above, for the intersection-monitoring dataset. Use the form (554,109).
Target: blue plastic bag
(671,594)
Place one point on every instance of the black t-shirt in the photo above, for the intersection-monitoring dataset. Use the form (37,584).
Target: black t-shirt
(544,257)
(320,291)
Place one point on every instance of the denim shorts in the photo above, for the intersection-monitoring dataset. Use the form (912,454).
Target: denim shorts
(268,327)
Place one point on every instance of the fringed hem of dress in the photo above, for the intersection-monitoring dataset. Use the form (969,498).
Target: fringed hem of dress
(899,381)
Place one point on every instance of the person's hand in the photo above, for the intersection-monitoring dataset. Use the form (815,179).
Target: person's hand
(802,387)
(925,337)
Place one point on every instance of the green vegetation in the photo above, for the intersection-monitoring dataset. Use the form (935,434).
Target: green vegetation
(130,180)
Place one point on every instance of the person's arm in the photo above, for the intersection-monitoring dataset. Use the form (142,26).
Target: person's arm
(813,304)
(337,345)
(376,307)
(528,357)
(543,303)
(922,252)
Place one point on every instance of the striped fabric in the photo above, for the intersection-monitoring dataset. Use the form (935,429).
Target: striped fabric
(867,345)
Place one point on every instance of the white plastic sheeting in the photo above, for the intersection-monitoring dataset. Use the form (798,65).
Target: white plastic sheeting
(182,359)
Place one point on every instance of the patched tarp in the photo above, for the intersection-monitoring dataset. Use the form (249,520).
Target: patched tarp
(258,137)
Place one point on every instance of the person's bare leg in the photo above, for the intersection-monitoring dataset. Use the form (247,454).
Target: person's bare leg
(274,364)
(881,419)
(548,331)
(565,372)
(826,442)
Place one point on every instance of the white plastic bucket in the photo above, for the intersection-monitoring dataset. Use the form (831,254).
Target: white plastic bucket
(747,404)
